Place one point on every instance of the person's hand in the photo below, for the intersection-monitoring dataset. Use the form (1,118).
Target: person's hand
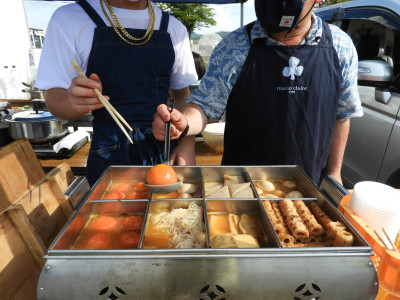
(81,94)
(336,175)
(184,153)
(178,122)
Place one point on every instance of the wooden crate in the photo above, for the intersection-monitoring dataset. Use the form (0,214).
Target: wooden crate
(20,170)
(46,208)
(19,270)
(27,229)
(63,175)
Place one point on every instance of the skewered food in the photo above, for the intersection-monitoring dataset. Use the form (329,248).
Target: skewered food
(288,216)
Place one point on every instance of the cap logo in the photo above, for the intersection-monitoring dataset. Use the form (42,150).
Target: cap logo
(286,21)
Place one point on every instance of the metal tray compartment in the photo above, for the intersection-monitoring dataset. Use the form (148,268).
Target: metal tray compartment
(268,272)
(104,224)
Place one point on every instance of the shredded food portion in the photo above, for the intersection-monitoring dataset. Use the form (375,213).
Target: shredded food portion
(185,226)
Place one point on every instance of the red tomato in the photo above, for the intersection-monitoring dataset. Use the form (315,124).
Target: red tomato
(132,223)
(161,174)
(129,240)
(97,241)
(140,187)
(104,224)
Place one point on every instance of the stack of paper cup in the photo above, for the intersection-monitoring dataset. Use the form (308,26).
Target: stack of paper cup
(379,205)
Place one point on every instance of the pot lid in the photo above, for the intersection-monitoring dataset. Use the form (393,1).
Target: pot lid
(33,116)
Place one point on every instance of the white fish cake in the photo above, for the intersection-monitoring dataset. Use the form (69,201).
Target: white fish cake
(289,184)
(294,194)
(265,185)
(188,188)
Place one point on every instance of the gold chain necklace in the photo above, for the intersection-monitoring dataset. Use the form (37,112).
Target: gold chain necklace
(121,31)
(150,27)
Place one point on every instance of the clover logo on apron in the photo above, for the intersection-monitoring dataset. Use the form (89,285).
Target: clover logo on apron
(293,69)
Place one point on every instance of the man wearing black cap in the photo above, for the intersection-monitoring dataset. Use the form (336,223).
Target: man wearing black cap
(288,85)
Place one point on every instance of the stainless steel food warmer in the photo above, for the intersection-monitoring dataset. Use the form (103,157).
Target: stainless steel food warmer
(269,272)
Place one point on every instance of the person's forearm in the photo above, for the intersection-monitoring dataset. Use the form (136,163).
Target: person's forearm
(57,103)
(193,113)
(196,118)
(338,145)
(180,97)
(185,152)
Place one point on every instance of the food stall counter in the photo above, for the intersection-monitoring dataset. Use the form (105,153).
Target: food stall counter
(77,162)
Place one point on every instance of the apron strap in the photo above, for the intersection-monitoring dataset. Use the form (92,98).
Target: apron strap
(249,27)
(164,21)
(92,13)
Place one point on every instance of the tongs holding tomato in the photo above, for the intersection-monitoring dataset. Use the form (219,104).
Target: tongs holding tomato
(167,188)
(167,133)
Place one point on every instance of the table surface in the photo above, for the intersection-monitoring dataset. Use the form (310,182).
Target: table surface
(204,156)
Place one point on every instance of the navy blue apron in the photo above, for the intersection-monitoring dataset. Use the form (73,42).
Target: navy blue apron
(136,78)
(282,109)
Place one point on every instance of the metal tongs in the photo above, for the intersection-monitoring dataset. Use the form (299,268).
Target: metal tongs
(167,133)
(167,188)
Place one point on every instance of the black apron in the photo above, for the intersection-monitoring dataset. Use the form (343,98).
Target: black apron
(282,109)
(137,79)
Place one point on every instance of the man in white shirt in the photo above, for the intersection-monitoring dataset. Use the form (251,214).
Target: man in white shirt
(137,62)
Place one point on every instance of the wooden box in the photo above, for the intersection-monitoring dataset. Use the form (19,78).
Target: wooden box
(19,270)
(20,170)
(33,210)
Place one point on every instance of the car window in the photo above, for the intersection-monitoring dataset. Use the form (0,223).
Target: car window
(376,35)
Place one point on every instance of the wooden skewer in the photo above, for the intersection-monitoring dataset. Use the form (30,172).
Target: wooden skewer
(390,240)
(379,237)
(112,111)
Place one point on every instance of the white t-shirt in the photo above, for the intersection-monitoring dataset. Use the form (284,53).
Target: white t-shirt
(69,37)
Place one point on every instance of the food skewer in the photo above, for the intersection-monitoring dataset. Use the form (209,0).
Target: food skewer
(379,237)
(390,240)
(112,111)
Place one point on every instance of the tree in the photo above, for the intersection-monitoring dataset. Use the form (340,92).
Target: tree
(192,15)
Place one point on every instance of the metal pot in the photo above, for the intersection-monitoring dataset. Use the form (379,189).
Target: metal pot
(34,93)
(36,126)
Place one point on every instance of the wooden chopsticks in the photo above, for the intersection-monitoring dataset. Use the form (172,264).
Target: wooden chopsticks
(381,239)
(112,111)
(389,239)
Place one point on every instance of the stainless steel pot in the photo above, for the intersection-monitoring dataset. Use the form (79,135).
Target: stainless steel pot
(36,126)
(33,93)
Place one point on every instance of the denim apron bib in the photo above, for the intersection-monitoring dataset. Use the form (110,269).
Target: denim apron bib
(282,109)
(136,78)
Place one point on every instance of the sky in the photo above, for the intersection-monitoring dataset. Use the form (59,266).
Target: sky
(227,16)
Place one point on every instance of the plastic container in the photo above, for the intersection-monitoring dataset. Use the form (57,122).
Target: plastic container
(386,261)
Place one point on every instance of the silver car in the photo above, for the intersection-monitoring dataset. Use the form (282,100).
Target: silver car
(373,148)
